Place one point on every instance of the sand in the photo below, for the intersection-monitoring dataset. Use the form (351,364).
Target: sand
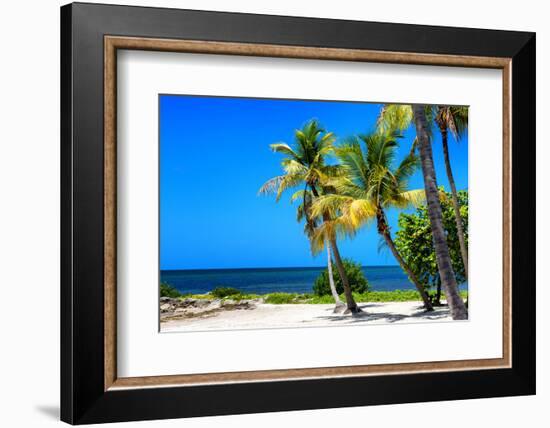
(307,315)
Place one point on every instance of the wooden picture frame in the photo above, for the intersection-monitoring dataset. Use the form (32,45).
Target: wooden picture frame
(91,390)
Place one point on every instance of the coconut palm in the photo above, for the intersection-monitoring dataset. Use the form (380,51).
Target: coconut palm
(455,120)
(304,213)
(305,164)
(399,117)
(371,185)
(443,258)
(325,235)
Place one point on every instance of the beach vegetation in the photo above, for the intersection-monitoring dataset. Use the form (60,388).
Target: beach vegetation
(287,298)
(410,295)
(284,298)
(357,281)
(414,241)
(167,290)
(221,292)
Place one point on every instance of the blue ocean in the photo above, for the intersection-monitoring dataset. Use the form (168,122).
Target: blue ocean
(269,280)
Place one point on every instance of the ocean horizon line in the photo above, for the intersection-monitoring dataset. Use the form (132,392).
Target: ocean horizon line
(268,268)
(271,280)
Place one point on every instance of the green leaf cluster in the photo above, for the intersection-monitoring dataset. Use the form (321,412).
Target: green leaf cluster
(286,298)
(415,243)
(221,292)
(357,281)
(167,290)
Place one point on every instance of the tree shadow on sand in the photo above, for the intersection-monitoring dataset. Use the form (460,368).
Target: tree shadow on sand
(370,314)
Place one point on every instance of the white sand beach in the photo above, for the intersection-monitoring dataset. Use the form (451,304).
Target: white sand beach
(305,315)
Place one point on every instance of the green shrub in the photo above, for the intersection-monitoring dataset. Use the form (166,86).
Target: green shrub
(286,298)
(279,298)
(167,290)
(356,278)
(414,241)
(221,292)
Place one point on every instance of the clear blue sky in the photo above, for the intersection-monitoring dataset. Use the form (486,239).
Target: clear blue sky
(215,155)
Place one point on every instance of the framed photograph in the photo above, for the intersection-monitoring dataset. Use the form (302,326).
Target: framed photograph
(266,213)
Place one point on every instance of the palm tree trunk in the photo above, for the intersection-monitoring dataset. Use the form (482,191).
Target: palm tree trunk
(438,293)
(383,229)
(456,206)
(351,305)
(339,305)
(446,272)
(350,302)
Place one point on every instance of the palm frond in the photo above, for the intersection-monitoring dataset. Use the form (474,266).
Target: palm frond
(351,156)
(271,185)
(410,198)
(341,185)
(329,205)
(326,141)
(460,121)
(408,166)
(334,171)
(359,212)
(318,238)
(300,194)
(292,166)
(289,181)
(394,117)
(284,149)
(331,229)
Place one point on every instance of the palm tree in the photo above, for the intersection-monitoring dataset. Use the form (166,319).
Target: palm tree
(325,235)
(304,213)
(454,119)
(446,272)
(370,186)
(340,307)
(305,163)
(399,117)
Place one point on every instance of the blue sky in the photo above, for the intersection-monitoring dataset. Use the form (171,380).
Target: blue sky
(215,155)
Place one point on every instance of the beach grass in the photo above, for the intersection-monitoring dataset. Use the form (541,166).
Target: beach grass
(282,298)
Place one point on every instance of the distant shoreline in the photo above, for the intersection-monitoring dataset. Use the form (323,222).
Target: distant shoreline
(270,268)
(263,281)
(308,298)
